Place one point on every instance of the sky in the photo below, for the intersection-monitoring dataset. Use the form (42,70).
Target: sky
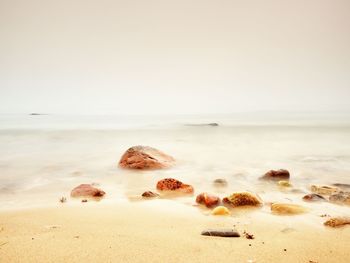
(174,57)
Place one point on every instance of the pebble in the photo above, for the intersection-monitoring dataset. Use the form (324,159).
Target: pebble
(221,211)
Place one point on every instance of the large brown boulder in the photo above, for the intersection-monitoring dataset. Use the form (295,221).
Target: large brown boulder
(87,190)
(207,199)
(243,199)
(170,184)
(145,157)
(276,175)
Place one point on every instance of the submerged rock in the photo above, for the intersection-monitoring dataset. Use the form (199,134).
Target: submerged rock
(324,189)
(149,194)
(207,199)
(313,198)
(342,186)
(284,183)
(220,211)
(242,199)
(337,221)
(170,184)
(221,233)
(340,198)
(145,157)
(287,209)
(276,175)
(220,182)
(86,190)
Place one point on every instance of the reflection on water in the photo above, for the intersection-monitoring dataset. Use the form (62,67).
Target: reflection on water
(40,164)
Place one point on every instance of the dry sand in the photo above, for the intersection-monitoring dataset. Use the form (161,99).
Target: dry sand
(134,232)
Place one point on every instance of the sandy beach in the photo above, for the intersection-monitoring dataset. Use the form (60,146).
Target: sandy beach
(143,232)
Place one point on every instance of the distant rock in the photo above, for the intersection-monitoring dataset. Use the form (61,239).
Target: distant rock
(207,199)
(221,233)
(324,189)
(337,221)
(87,190)
(342,186)
(149,194)
(276,175)
(220,211)
(287,209)
(213,124)
(243,199)
(170,184)
(145,157)
(313,198)
(220,182)
(342,198)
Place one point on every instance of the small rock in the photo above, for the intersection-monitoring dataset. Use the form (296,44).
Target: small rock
(144,157)
(243,199)
(337,221)
(221,233)
(86,190)
(287,209)
(84,201)
(220,182)
(170,184)
(313,198)
(342,198)
(150,194)
(324,189)
(284,183)
(207,199)
(281,174)
(220,211)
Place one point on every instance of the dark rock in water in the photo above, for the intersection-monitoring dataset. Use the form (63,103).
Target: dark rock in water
(213,124)
(337,221)
(35,114)
(221,233)
(340,198)
(86,190)
(314,198)
(149,194)
(220,182)
(276,175)
(145,157)
(207,199)
(170,184)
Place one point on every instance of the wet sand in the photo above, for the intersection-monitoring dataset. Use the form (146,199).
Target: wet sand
(149,232)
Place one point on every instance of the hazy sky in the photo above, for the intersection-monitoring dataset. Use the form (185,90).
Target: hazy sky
(179,56)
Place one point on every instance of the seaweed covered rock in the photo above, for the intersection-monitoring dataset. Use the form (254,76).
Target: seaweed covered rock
(287,209)
(337,221)
(243,199)
(145,157)
(207,199)
(170,184)
(276,175)
(87,190)
(324,189)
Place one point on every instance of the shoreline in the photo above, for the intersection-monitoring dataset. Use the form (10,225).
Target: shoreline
(131,232)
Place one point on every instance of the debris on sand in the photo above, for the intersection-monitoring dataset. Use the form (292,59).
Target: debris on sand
(248,236)
(221,233)
(63,199)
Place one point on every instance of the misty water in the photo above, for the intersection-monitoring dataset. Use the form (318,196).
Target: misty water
(42,157)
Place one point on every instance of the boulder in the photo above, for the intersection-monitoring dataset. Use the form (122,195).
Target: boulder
(242,199)
(170,184)
(207,199)
(324,189)
(313,198)
(149,194)
(340,198)
(145,157)
(276,175)
(287,209)
(337,221)
(220,211)
(87,190)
